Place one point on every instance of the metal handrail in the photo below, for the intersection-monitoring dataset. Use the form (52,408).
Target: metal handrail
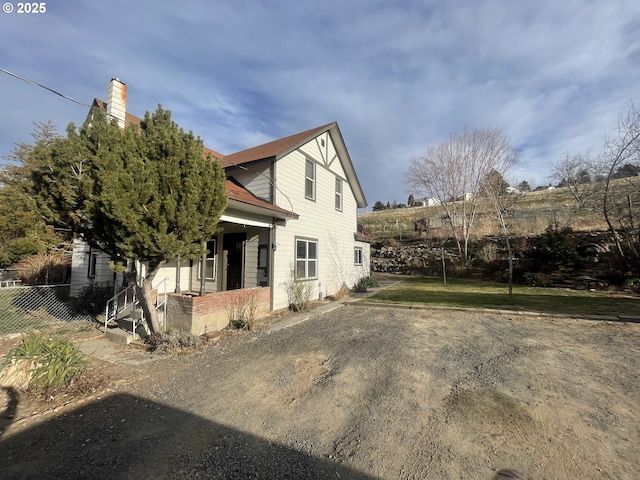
(162,304)
(115,301)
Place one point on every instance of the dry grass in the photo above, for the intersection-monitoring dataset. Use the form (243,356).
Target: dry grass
(43,268)
(533,212)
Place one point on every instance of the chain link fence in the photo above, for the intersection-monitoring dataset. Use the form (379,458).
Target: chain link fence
(49,306)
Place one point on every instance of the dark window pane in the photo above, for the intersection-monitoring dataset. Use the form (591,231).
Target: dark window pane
(301,249)
(312,250)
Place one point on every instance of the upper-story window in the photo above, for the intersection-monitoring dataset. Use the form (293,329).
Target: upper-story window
(338,197)
(310,180)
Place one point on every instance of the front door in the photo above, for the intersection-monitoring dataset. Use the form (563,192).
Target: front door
(233,246)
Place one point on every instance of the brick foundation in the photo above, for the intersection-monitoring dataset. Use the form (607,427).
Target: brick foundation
(209,313)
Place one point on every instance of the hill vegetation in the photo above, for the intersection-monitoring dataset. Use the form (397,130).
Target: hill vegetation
(531,214)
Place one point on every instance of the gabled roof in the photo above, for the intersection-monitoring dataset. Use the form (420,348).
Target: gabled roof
(235,191)
(283,146)
(277,148)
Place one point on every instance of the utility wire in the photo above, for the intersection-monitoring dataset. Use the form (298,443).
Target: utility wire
(45,87)
(272,181)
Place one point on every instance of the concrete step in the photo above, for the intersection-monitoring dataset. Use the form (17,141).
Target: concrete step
(129,324)
(118,335)
(130,311)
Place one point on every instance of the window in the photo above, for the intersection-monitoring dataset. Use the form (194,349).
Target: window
(93,262)
(306,259)
(310,180)
(210,262)
(338,194)
(357,256)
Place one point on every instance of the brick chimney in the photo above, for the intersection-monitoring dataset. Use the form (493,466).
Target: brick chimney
(117,101)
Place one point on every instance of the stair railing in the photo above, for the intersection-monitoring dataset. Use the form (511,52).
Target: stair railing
(127,297)
(162,305)
(119,302)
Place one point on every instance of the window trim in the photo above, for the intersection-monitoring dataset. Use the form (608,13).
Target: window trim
(338,195)
(312,195)
(213,259)
(306,259)
(358,256)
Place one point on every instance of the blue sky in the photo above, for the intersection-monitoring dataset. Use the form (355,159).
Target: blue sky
(396,76)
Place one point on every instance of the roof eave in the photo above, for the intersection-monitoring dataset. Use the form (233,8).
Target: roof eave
(259,210)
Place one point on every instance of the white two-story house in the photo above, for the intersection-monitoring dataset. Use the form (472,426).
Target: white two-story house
(291,215)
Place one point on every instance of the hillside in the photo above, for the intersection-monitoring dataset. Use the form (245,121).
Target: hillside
(532,213)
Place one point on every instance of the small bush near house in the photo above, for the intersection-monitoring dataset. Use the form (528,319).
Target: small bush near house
(173,341)
(365,283)
(91,300)
(299,293)
(340,294)
(43,363)
(241,310)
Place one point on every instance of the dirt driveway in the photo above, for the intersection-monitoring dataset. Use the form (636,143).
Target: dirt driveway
(363,392)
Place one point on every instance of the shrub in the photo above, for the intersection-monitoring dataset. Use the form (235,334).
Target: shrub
(173,341)
(364,283)
(632,283)
(371,281)
(360,286)
(91,300)
(342,293)
(299,293)
(488,252)
(241,310)
(47,363)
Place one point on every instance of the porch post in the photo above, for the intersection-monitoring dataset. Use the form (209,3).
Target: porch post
(178,266)
(203,261)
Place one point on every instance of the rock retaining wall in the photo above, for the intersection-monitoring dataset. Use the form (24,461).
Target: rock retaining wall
(585,260)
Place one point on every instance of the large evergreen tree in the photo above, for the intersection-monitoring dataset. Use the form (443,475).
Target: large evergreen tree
(23,231)
(146,193)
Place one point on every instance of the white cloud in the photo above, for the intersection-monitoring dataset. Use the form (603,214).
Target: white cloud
(396,77)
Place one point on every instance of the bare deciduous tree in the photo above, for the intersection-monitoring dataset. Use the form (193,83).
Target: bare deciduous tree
(576,172)
(620,205)
(453,172)
(503,205)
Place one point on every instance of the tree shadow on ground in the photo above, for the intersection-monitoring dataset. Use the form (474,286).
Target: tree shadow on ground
(124,436)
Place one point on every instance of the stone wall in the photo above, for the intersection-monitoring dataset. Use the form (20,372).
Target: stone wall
(209,313)
(585,260)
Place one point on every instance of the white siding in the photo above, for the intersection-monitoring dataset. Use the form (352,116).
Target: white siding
(257,179)
(169,271)
(80,261)
(334,230)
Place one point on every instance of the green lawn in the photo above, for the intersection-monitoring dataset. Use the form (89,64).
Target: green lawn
(475,294)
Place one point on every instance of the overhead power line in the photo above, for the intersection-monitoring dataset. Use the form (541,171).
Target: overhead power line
(87,105)
(45,87)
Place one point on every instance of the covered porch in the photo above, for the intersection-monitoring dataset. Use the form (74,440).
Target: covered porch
(236,269)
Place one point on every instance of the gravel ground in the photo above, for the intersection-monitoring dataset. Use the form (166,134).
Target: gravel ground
(365,393)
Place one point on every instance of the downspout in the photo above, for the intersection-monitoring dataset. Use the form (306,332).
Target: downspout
(270,265)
